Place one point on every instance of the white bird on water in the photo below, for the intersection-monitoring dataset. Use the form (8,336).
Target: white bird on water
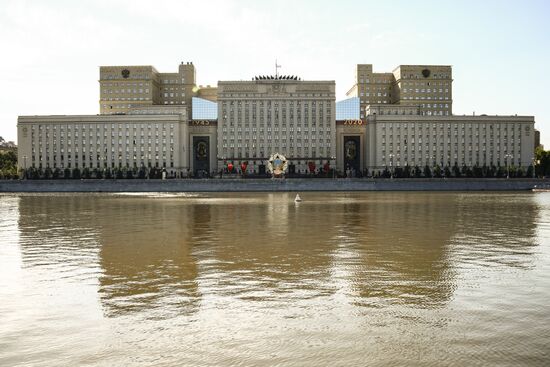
(297,199)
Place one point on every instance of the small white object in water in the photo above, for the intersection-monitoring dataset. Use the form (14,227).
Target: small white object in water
(297,199)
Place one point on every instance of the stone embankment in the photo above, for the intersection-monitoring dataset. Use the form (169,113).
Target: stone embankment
(242,185)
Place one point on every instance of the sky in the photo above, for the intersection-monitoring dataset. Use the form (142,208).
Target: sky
(52,49)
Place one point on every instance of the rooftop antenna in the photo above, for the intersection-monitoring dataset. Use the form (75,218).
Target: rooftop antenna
(277,69)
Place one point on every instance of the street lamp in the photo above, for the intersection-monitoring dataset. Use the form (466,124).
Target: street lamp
(507,165)
(333,158)
(25,166)
(535,162)
(391,165)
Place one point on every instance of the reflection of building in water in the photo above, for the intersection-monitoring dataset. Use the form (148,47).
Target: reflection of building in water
(141,248)
(165,253)
(270,245)
(493,233)
(150,264)
(58,233)
(401,247)
(409,246)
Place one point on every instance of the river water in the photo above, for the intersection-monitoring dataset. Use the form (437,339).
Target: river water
(340,279)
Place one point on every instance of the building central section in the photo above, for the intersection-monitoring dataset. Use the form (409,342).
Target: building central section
(276,114)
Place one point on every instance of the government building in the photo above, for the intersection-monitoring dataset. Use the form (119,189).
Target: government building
(168,122)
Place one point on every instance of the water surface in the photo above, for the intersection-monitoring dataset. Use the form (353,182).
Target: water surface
(339,279)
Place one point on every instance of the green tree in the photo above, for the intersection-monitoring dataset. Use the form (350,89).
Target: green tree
(543,162)
(529,172)
(477,171)
(407,171)
(456,170)
(76,173)
(437,171)
(48,173)
(427,171)
(8,164)
(86,173)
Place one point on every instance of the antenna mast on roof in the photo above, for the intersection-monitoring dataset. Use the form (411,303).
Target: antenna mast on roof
(277,69)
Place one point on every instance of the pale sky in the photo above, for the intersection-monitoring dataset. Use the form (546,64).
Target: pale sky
(52,50)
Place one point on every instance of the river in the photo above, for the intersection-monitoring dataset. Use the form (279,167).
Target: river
(340,279)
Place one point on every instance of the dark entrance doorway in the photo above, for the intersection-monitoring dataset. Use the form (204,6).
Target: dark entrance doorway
(201,156)
(352,153)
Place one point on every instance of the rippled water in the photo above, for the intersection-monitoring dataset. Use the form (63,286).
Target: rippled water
(254,279)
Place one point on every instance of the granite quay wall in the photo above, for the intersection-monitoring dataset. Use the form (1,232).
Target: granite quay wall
(296,185)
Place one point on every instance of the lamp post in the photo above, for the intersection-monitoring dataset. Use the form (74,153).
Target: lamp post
(535,162)
(333,158)
(507,165)
(24,166)
(103,165)
(391,166)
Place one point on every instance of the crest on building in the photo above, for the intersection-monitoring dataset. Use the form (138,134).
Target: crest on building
(350,149)
(426,73)
(201,150)
(125,73)
(277,165)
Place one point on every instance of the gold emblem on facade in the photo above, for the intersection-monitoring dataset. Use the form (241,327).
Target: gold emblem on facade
(277,165)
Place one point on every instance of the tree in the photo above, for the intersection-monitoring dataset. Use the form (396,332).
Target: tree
(437,171)
(417,172)
(456,170)
(76,173)
(48,173)
(543,162)
(519,172)
(67,173)
(86,174)
(398,172)
(529,171)
(447,171)
(427,171)
(141,173)
(477,171)
(407,171)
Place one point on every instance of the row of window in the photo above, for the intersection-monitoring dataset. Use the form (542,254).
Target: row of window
(288,152)
(255,95)
(440,126)
(120,164)
(77,127)
(133,75)
(425,90)
(126,91)
(440,98)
